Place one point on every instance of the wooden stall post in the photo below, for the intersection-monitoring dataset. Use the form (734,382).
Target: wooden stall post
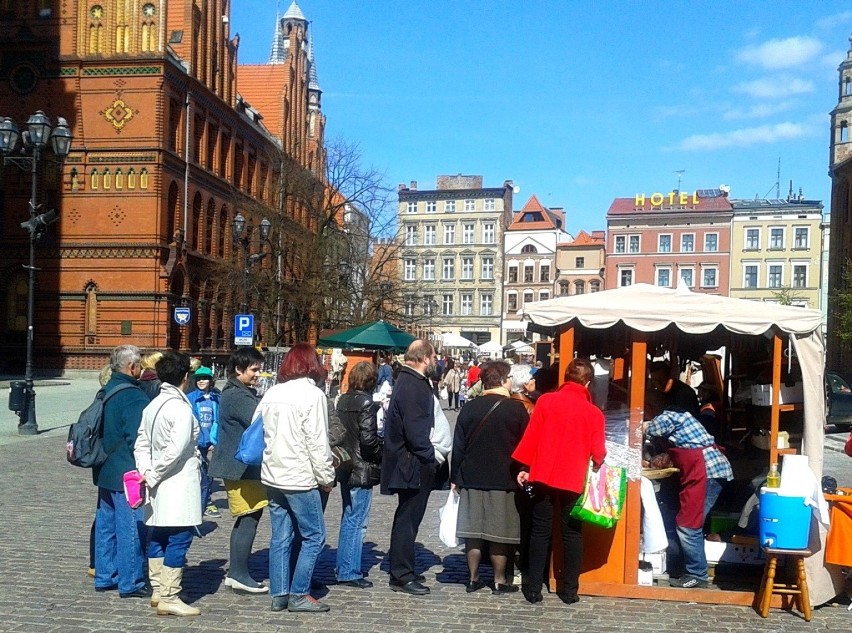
(633,508)
(775,412)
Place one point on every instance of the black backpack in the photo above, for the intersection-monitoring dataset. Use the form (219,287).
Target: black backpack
(86,436)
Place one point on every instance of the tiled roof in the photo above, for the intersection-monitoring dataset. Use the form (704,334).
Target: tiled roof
(533,204)
(584,239)
(262,85)
(535,216)
(628,206)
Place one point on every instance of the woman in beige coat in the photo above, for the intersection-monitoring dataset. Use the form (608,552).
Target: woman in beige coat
(167,457)
(452,381)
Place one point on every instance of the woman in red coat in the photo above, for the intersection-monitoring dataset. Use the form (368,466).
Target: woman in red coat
(565,431)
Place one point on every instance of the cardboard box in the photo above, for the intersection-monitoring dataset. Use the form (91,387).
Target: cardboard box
(717,552)
(761,395)
(657,560)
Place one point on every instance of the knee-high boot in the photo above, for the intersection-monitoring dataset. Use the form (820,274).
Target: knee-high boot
(170,602)
(155,572)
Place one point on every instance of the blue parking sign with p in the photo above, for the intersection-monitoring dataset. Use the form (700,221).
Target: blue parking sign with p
(244,329)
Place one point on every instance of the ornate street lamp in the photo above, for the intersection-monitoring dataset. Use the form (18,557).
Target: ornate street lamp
(35,138)
(243,238)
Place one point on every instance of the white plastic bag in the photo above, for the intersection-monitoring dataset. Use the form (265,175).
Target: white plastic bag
(444,394)
(449,515)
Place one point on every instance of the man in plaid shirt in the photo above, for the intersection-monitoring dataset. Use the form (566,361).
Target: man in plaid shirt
(704,470)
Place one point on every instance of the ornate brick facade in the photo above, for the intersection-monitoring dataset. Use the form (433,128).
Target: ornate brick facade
(167,149)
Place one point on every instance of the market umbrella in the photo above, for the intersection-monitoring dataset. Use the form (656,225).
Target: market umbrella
(376,335)
(492,348)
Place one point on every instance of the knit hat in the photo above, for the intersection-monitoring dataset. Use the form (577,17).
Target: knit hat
(203,372)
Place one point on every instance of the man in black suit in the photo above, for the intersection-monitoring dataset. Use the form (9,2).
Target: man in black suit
(408,462)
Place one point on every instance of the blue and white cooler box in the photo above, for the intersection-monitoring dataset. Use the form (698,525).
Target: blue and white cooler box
(785,520)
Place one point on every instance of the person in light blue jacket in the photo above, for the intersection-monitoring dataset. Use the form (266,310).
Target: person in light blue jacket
(205,405)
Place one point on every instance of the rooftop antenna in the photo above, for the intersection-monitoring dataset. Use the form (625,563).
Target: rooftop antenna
(777,185)
(680,173)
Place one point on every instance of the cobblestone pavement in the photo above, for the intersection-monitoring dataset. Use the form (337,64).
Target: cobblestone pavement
(46,507)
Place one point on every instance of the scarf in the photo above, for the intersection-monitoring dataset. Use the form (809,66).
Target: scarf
(500,391)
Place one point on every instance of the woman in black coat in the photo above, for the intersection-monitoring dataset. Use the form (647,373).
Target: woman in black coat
(488,429)
(357,413)
(246,495)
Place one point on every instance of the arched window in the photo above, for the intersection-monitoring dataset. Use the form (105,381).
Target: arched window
(96,30)
(93,183)
(107,179)
(16,303)
(847,86)
(594,286)
(149,28)
(75,179)
(122,26)
(207,229)
(90,317)
(223,230)
(579,287)
(529,248)
(172,213)
(563,288)
(143,178)
(196,220)
(131,178)
(119,179)
(844,131)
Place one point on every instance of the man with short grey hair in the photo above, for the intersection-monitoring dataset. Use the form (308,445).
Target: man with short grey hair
(118,545)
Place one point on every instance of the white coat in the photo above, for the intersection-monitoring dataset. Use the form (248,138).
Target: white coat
(295,431)
(166,454)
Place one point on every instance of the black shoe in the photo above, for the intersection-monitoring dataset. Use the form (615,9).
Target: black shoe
(532,596)
(279,603)
(142,592)
(564,597)
(419,577)
(306,604)
(688,581)
(501,589)
(107,588)
(412,587)
(475,585)
(358,583)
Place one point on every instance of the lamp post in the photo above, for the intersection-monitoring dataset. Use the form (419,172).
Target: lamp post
(243,238)
(25,156)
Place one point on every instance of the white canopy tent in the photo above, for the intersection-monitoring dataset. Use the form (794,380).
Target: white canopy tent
(448,339)
(649,308)
(492,348)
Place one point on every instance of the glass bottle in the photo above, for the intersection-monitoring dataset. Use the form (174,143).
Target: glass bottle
(773,479)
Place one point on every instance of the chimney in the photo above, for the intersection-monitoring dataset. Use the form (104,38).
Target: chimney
(401,187)
(413,186)
(598,235)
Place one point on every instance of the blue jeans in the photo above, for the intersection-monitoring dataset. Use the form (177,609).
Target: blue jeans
(206,480)
(118,546)
(353,529)
(294,515)
(170,544)
(692,539)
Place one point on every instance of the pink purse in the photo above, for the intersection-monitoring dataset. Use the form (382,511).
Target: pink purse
(134,488)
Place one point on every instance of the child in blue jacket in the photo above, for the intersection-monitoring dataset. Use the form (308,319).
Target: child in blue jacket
(205,404)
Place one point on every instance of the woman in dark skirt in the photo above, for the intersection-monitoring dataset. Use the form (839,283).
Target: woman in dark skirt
(487,431)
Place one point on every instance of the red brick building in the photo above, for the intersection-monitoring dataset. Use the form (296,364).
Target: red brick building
(662,237)
(171,140)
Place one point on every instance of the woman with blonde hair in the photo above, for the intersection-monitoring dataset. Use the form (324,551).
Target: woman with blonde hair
(149,382)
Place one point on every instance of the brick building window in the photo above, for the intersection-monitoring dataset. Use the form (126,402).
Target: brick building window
(488,268)
(513,274)
(486,305)
(529,273)
(512,302)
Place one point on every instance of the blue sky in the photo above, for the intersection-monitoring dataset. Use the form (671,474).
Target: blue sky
(578,102)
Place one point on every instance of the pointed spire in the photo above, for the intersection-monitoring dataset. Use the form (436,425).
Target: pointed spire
(278,53)
(295,13)
(313,83)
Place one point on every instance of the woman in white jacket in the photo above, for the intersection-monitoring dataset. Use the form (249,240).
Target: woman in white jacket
(166,456)
(297,463)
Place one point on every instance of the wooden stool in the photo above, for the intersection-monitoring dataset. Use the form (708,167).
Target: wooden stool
(797,589)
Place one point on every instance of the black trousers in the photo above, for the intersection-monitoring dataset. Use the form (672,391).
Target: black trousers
(542,509)
(406,522)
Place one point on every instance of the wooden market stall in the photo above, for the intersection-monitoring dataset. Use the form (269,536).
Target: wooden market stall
(635,323)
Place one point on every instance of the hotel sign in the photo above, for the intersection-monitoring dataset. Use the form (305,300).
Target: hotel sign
(672,197)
